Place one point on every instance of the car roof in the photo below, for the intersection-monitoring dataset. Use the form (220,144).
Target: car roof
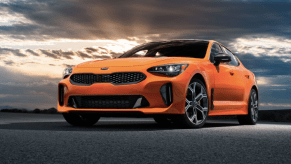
(179,40)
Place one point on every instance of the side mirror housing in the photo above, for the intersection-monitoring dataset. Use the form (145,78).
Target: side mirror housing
(221,58)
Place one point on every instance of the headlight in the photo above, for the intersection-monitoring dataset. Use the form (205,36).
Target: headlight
(67,72)
(169,69)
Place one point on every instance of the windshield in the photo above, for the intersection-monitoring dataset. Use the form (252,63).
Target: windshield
(194,49)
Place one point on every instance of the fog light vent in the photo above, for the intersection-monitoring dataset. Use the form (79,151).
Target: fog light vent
(166,92)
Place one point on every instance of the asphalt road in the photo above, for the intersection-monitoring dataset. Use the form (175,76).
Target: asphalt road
(47,138)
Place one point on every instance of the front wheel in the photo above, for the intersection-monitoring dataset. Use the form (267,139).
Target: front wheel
(253,110)
(81,119)
(196,106)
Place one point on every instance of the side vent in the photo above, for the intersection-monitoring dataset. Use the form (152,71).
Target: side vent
(166,93)
(61,95)
(212,105)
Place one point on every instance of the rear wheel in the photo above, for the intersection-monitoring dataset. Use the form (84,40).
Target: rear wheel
(81,119)
(196,106)
(252,117)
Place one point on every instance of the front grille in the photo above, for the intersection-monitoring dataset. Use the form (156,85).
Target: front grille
(108,102)
(114,78)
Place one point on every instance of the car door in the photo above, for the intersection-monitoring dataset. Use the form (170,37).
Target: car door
(226,81)
(238,77)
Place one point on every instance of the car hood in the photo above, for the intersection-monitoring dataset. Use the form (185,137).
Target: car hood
(122,62)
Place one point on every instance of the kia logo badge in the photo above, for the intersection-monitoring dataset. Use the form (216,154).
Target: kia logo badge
(104,68)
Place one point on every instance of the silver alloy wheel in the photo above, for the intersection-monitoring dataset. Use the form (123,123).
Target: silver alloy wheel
(196,106)
(254,106)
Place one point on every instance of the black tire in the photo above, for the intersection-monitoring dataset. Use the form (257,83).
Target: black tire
(81,119)
(184,120)
(162,120)
(253,107)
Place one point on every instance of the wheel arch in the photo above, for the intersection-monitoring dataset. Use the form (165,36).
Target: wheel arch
(201,77)
(256,89)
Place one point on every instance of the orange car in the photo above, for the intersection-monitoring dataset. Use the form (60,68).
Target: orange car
(178,81)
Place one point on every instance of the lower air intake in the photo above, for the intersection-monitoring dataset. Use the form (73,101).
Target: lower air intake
(108,102)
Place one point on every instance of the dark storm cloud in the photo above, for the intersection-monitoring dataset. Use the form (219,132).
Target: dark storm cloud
(15,52)
(32,52)
(56,54)
(87,53)
(265,66)
(102,48)
(68,65)
(101,57)
(114,54)
(90,50)
(49,54)
(83,55)
(9,62)
(12,63)
(65,54)
(68,54)
(90,19)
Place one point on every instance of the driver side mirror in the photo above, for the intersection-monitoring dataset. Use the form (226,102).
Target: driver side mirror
(221,58)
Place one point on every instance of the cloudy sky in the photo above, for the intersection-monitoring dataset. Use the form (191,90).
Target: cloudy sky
(39,38)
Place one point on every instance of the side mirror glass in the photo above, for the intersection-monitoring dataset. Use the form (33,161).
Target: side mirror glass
(221,58)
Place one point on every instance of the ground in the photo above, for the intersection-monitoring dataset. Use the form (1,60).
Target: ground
(47,138)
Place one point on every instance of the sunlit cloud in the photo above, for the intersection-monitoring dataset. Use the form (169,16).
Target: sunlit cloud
(8,95)
(263,81)
(264,47)
(278,89)
(275,105)
(8,18)
(118,45)
(274,81)
(51,62)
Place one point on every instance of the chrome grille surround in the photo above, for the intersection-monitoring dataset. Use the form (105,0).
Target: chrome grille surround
(119,78)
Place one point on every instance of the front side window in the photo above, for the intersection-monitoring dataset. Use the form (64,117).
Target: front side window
(233,61)
(140,53)
(215,49)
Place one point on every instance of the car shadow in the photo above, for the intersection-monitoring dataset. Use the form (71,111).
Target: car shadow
(273,122)
(105,126)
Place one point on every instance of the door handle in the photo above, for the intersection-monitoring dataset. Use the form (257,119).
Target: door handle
(231,72)
(247,76)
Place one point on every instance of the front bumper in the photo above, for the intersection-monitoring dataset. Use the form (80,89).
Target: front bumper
(148,88)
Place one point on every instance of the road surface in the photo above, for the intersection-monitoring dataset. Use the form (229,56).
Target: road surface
(47,138)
